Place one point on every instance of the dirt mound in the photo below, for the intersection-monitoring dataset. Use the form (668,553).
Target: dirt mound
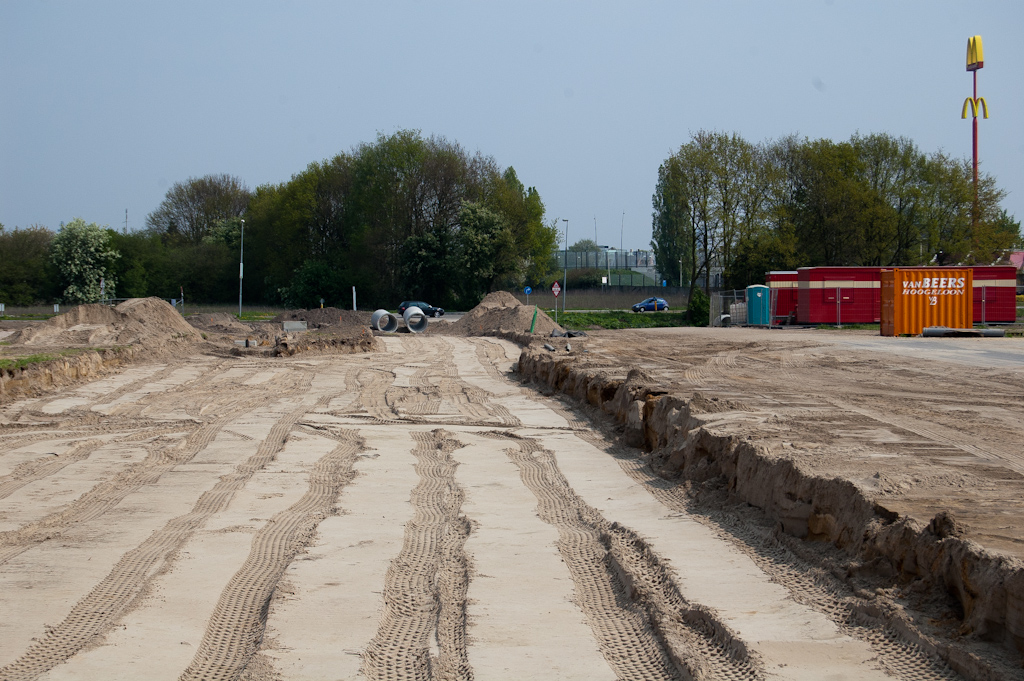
(319,318)
(156,314)
(500,312)
(328,344)
(219,322)
(149,321)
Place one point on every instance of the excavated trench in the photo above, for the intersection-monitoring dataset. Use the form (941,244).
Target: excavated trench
(43,376)
(678,446)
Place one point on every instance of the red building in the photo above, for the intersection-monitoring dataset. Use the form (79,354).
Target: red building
(838,295)
(783,291)
(995,294)
(852,295)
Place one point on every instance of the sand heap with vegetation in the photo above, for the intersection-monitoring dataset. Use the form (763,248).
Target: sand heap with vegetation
(501,313)
(327,318)
(219,322)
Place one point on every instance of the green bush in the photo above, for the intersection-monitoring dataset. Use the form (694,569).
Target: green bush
(699,308)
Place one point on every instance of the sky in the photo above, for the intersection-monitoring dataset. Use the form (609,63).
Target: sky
(105,105)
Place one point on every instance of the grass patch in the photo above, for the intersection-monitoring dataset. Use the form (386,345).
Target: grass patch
(21,362)
(27,317)
(257,316)
(622,320)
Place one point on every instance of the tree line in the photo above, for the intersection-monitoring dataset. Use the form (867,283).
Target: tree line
(402,217)
(409,217)
(725,205)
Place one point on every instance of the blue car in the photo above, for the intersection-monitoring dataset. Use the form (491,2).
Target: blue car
(651,305)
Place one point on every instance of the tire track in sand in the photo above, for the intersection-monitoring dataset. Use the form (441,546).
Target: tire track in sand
(643,625)
(129,579)
(44,466)
(425,586)
(892,641)
(236,626)
(429,387)
(106,398)
(111,492)
(50,464)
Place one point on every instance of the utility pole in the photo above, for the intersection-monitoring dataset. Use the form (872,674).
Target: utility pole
(126,221)
(241,259)
(565,288)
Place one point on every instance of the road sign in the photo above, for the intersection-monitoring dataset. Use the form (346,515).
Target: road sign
(556,289)
(527,290)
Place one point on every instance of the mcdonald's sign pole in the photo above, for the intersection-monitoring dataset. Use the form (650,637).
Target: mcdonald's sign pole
(975,61)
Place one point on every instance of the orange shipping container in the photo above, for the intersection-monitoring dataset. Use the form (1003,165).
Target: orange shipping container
(915,298)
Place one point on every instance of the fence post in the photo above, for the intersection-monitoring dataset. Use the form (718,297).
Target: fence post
(839,318)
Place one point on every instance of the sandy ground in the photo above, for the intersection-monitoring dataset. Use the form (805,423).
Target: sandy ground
(419,514)
(925,424)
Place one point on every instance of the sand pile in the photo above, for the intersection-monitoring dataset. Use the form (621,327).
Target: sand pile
(500,312)
(149,321)
(327,318)
(221,327)
(219,322)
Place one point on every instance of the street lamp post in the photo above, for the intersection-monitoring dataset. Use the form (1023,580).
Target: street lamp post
(565,288)
(241,259)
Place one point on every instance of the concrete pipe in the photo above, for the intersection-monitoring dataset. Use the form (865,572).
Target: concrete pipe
(382,320)
(415,319)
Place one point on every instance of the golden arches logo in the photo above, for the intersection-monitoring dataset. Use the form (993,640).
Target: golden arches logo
(974,104)
(975,54)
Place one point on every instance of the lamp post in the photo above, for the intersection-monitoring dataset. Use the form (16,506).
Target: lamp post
(241,259)
(565,288)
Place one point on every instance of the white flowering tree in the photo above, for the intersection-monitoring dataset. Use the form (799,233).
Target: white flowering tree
(83,257)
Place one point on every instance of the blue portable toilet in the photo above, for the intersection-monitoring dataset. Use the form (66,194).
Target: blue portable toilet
(759,309)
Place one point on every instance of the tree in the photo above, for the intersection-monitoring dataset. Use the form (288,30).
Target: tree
(523,210)
(585,246)
(25,277)
(387,217)
(484,252)
(874,200)
(82,256)
(697,202)
(672,235)
(192,208)
(892,168)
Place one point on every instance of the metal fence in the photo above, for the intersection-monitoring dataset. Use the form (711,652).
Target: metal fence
(615,260)
(607,297)
(721,304)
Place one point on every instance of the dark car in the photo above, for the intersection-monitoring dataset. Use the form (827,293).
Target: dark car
(428,310)
(651,305)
